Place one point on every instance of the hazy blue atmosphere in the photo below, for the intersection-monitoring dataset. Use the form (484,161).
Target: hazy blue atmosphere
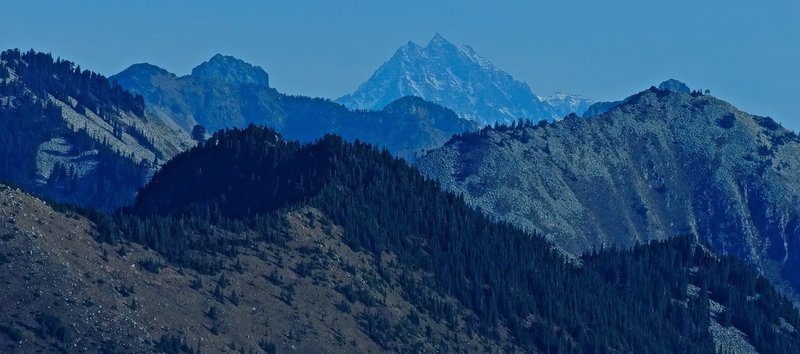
(745,52)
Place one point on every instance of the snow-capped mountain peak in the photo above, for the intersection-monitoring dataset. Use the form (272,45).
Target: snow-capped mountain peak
(562,104)
(438,40)
(454,76)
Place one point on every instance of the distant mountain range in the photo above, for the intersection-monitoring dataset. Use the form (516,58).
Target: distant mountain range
(456,77)
(661,163)
(562,104)
(226,92)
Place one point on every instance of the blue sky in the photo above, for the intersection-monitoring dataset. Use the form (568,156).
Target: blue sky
(746,52)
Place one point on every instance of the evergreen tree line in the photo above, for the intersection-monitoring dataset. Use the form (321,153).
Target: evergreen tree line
(637,300)
(61,78)
(27,120)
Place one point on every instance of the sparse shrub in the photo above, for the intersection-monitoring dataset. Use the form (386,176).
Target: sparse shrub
(52,326)
(213,313)
(218,294)
(199,133)
(110,347)
(767,123)
(344,306)
(222,281)
(378,328)
(349,268)
(235,298)
(125,290)
(303,269)
(151,265)
(308,250)
(12,331)
(727,121)
(353,294)
(287,294)
(267,346)
(197,284)
(640,208)
(173,344)
(274,278)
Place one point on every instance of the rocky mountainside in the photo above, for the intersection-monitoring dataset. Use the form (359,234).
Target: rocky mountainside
(69,135)
(454,76)
(225,92)
(229,70)
(663,163)
(339,247)
(310,293)
(561,104)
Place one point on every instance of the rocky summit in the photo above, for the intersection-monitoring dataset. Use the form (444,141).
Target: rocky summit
(227,69)
(454,76)
(661,164)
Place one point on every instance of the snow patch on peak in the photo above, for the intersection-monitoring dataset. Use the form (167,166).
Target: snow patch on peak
(562,104)
(451,75)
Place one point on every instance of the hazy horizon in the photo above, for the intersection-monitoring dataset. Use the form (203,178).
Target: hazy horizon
(741,51)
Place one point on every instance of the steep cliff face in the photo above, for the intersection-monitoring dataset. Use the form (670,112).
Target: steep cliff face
(661,164)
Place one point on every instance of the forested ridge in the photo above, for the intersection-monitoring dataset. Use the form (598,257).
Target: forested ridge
(653,298)
(43,75)
(28,118)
